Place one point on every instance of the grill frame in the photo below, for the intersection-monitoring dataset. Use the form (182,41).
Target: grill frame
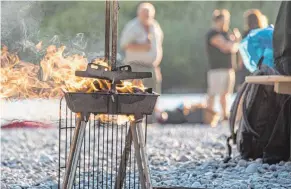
(67,127)
(106,103)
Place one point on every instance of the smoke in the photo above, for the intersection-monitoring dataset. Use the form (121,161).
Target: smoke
(20,24)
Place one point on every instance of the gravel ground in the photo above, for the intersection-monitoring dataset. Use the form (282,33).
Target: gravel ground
(187,155)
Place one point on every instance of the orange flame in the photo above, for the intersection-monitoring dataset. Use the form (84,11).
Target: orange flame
(56,73)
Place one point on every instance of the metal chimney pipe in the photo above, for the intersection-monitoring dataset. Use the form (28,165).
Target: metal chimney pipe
(114,35)
(107,30)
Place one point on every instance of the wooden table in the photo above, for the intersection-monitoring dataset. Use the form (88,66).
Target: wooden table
(282,84)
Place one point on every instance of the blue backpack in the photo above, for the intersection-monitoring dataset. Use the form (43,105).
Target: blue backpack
(257,44)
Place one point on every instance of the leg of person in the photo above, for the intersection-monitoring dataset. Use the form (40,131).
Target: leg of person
(211,82)
(229,83)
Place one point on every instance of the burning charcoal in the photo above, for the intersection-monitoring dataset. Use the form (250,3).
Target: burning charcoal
(137,90)
(149,90)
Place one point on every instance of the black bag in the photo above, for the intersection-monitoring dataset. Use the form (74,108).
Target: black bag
(282,39)
(264,128)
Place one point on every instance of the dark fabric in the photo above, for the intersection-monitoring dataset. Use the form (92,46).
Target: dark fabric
(216,58)
(240,76)
(243,72)
(282,39)
(264,129)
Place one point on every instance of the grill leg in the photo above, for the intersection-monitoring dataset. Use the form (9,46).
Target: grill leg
(122,169)
(144,155)
(75,150)
(140,156)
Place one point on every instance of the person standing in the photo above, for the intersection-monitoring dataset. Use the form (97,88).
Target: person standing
(141,40)
(253,19)
(220,47)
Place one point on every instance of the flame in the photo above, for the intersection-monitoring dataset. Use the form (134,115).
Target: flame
(54,74)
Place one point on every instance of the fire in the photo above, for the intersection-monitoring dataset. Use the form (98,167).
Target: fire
(53,75)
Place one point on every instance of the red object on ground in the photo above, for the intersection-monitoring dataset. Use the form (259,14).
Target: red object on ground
(26,124)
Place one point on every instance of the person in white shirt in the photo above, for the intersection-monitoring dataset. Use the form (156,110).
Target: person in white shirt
(141,40)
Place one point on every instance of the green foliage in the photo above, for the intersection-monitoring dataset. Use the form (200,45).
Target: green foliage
(184,24)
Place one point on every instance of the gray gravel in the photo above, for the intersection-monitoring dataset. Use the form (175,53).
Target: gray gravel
(188,156)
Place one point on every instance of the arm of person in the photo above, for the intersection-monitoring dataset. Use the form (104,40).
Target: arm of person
(159,47)
(224,45)
(128,38)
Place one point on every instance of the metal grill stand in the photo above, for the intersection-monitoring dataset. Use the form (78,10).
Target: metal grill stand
(85,104)
(135,134)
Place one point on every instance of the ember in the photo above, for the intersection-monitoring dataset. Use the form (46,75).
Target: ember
(53,75)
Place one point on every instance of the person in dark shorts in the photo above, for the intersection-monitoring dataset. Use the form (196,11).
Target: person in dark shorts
(220,47)
(282,39)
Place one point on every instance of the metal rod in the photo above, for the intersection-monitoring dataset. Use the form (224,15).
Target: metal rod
(103,145)
(107,157)
(71,129)
(60,125)
(114,34)
(116,147)
(112,126)
(74,154)
(94,142)
(98,153)
(129,171)
(89,141)
(84,156)
(107,29)
(134,162)
(146,128)
(125,163)
(80,157)
(66,146)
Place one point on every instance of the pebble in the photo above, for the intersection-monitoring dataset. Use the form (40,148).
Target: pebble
(283,174)
(252,168)
(242,163)
(273,168)
(265,166)
(196,185)
(174,160)
(183,159)
(259,160)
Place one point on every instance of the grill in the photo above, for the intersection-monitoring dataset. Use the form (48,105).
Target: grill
(98,153)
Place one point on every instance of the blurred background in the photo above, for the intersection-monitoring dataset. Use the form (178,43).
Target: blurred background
(80,27)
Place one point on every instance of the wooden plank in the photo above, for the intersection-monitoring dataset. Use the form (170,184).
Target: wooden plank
(282,88)
(267,80)
(144,156)
(75,150)
(138,156)
(124,159)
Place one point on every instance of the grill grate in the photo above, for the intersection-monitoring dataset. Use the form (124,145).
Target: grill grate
(102,148)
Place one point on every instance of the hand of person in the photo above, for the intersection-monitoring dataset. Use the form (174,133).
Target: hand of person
(237,34)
